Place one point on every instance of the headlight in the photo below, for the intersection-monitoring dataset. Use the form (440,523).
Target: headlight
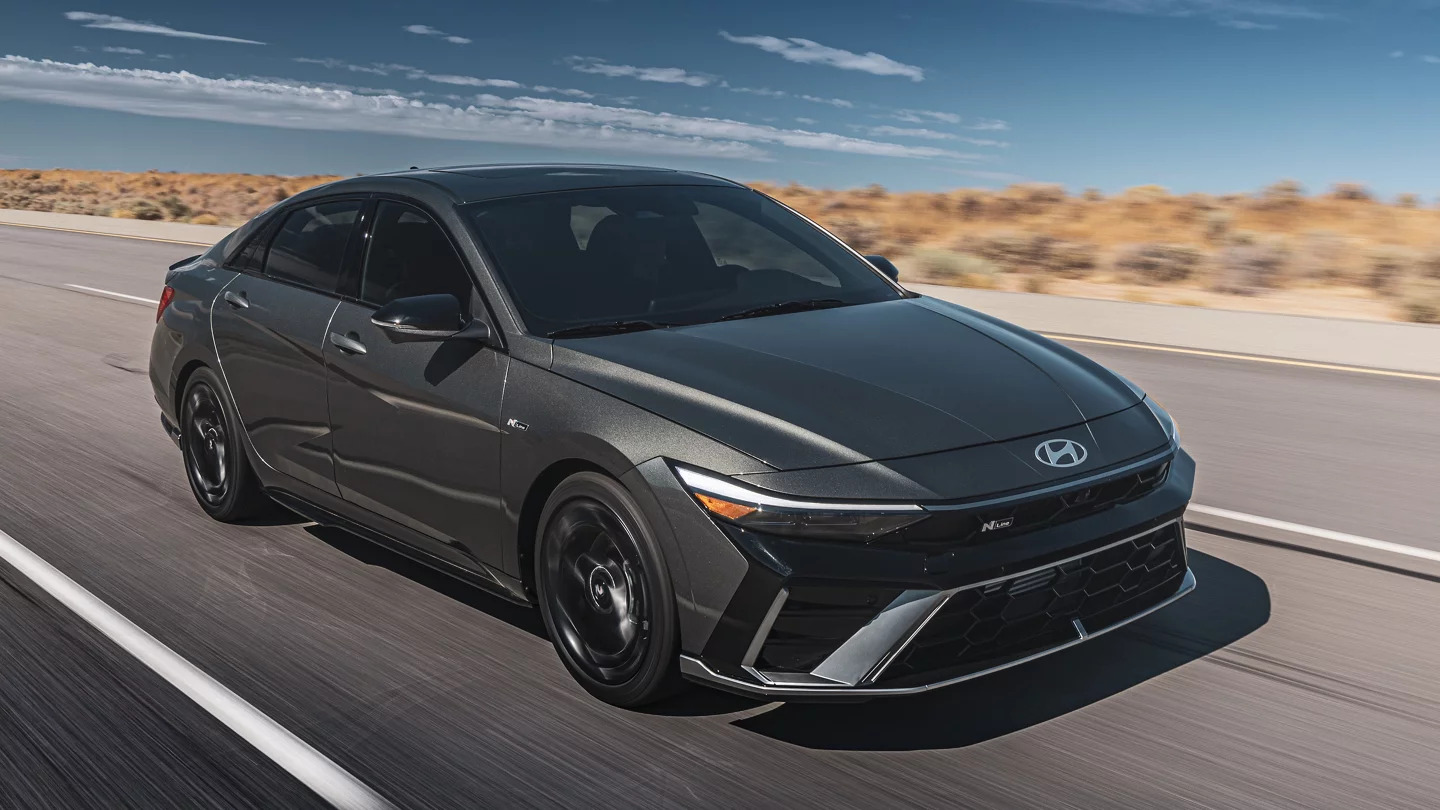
(775,514)
(1164,418)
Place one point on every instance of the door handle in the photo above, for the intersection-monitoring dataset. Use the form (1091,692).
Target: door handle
(346,343)
(237,300)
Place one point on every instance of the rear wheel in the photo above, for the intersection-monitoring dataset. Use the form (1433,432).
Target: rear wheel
(215,464)
(605,592)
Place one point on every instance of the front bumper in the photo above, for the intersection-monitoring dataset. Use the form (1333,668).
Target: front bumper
(898,634)
(853,621)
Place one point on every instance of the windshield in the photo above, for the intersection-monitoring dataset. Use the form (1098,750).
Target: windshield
(589,262)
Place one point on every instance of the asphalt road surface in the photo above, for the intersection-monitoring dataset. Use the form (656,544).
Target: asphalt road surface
(1287,680)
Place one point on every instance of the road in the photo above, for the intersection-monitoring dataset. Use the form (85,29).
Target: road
(1287,680)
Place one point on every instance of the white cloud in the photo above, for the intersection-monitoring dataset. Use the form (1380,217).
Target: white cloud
(562,91)
(430,31)
(577,112)
(756,91)
(1397,54)
(808,51)
(887,131)
(666,75)
(1207,9)
(526,121)
(470,81)
(806,121)
(1433,60)
(1247,25)
(989,125)
(127,51)
(336,64)
(113,23)
(833,102)
(921,116)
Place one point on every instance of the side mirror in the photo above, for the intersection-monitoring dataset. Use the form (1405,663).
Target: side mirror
(429,317)
(885,266)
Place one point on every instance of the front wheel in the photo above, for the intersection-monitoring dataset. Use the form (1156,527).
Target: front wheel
(605,592)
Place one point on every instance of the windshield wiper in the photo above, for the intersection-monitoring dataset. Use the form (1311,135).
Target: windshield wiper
(784,307)
(607,328)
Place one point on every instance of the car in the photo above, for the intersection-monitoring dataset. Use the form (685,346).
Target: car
(708,440)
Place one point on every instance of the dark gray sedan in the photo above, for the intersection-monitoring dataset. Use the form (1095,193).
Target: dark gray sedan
(708,439)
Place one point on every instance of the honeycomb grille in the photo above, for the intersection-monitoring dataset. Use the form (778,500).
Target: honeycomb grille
(985,626)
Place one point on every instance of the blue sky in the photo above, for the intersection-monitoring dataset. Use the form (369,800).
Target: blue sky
(1195,95)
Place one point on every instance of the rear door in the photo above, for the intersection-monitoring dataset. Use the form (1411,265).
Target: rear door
(270,328)
(414,423)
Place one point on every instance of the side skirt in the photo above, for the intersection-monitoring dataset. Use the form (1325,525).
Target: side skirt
(486,578)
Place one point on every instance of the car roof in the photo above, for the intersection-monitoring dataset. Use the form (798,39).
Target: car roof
(493,181)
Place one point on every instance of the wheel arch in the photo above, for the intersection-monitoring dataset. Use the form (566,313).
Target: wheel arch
(527,525)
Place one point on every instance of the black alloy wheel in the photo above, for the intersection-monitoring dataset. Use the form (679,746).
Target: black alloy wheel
(208,442)
(604,594)
(215,463)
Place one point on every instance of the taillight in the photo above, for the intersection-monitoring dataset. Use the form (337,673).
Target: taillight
(166,296)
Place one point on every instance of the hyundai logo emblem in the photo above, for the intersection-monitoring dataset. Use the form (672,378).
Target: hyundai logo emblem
(1060,453)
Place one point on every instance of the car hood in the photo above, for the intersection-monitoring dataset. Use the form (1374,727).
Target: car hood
(850,384)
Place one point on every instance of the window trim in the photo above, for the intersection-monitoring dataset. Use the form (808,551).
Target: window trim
(270,229)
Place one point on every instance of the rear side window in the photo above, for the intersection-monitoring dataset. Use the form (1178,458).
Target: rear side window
(309,246)
(409,254)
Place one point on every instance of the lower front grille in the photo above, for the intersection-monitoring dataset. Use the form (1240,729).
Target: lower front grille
(985,626)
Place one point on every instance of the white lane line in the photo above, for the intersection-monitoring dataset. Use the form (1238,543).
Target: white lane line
(1324,534)
(314,769)
(99,291)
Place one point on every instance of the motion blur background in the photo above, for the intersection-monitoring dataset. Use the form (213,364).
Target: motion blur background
(1231,202)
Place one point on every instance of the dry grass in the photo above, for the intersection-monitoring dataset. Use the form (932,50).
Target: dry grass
(1341,252)
(211,199)
(1278,249)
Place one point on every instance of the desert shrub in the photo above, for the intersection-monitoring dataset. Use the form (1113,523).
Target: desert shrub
(1419,301)
(145,209)
(970,204)
(1351,191)
(874,191)
(861,234)
(175,208)
(1319,256)
(1217,226)
(1035,283)
(1092,195)
(1250,268)
(943,266)
(1070,259)
(1385,266)
(1407,200)
(1242,238)
(1281,195)
(1154,263)
(279,194)
(205,219)
(1031,198)
(1428,264)
(123,213)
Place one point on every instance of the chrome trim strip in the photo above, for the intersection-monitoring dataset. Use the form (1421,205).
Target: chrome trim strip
(954,507)
(1080,626)
(753,651)
(730,490)
(890,630)
(697,669)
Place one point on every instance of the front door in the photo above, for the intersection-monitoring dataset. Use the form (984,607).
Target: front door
(414,423)
(270,327)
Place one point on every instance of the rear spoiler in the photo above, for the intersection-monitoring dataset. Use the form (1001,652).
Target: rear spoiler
(184,262)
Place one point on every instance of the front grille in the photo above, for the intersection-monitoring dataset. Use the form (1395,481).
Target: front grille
(969,527)
(981,627)
(815,620)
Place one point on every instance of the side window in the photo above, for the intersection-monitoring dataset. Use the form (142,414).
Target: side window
(409,254)
(309,247)
(735,240)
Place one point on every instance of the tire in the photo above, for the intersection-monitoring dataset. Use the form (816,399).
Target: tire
(606,594)
(211,443)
